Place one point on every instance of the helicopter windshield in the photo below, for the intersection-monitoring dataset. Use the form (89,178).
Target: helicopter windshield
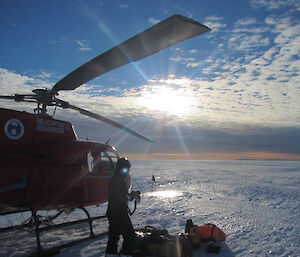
(102,163)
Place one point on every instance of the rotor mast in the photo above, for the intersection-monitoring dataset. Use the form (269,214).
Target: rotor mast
(43,99)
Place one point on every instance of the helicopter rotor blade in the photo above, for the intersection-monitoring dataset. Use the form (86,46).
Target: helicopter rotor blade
(108,121)
(12,97)
(172,30)
(20,98)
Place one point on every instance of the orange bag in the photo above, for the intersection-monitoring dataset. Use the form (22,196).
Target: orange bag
(208,232)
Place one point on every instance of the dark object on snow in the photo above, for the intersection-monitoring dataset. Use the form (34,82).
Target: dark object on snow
(213,249)
(158,242)
(188,225)
(153,178)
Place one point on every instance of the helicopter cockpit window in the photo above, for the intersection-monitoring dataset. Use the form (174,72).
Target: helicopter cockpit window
(92,162)
(109,160)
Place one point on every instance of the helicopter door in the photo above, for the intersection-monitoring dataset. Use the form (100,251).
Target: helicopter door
(100,168)
(108,160)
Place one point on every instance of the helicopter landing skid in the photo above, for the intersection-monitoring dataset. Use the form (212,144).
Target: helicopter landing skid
(39,225)
(55,250)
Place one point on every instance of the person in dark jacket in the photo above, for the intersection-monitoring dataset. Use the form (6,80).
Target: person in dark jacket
(117,210)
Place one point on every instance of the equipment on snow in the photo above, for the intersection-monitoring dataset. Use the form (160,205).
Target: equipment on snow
(158,242)
(209,232)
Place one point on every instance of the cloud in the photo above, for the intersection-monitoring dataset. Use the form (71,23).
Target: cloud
(80,44)
(153,21)
(242,117)
(247,42)
(215,23)
(193,51)
(193,64)
(275,4)
(184,60)
(251,138)
(189,58)
(218,104)
(83,46)
(249,25)
(261,73)
(12,83)
(123,6)
(246,21)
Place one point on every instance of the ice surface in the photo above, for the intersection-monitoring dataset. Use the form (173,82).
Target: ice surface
(256,203)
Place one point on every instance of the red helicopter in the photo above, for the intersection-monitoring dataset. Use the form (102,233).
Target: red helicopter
(44,166)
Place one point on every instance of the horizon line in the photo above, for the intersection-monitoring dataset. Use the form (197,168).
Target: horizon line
(214,156)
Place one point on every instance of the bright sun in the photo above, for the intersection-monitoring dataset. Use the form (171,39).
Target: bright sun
(168,100)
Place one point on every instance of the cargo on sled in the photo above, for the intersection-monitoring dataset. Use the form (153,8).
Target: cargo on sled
(151,241)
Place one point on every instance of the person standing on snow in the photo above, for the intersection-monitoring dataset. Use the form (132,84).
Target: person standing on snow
(117,210)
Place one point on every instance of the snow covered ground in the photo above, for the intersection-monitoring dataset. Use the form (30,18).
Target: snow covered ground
(256,203)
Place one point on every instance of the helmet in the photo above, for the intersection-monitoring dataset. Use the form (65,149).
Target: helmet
(123,165)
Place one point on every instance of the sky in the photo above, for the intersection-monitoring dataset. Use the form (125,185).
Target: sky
(230,93)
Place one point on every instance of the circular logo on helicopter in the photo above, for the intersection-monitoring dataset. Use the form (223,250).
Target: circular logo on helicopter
(14,129)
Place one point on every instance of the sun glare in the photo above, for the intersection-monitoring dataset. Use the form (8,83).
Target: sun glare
(165,194)
(168,100)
